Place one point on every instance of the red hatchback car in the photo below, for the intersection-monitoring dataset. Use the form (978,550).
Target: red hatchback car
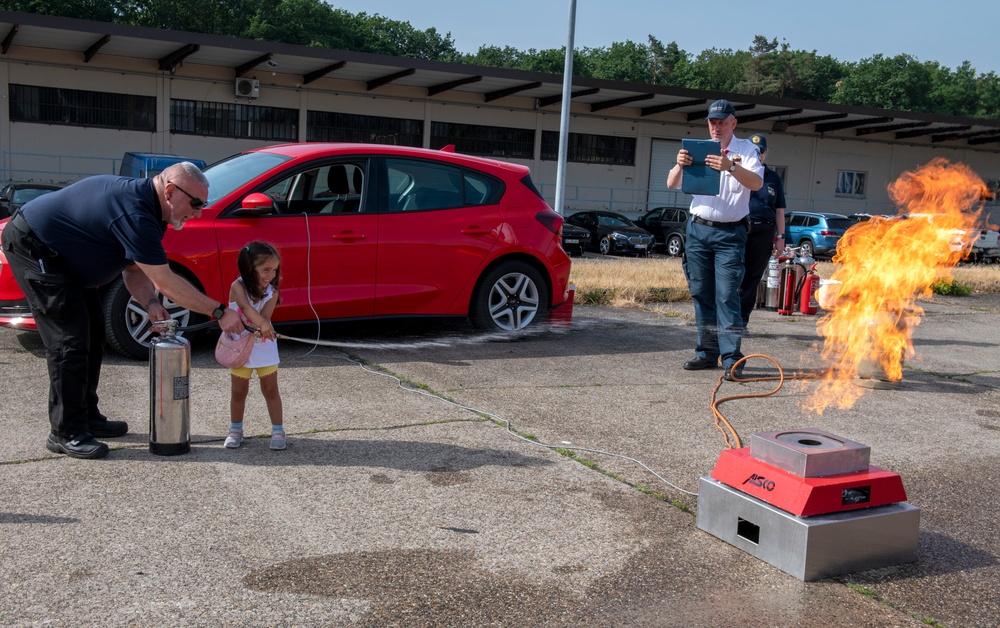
(364,231)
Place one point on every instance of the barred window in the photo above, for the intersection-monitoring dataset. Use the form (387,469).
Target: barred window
(333,126)
(590,149)
(77,107)
(219,119)
(851,184)
(489,141)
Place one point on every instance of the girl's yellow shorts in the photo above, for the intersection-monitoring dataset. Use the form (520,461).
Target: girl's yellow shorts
(245,371)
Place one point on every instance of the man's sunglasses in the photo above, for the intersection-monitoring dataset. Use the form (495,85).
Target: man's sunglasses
(196,203)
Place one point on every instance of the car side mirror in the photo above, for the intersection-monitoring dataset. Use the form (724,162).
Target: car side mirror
(256,204)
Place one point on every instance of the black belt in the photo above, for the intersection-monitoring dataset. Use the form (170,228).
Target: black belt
(19,223)
(761,222)
(29,241)
(716,223)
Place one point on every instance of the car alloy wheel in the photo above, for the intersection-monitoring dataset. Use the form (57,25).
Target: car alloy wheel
(605,245)
(675,246)
(127,325)
(510,297)
(806,248)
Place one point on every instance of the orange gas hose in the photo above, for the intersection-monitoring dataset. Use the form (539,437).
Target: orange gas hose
(721,423)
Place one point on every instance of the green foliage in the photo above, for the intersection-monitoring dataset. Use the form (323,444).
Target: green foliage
(101,10)
(305,22)
(212,16)
(495,57)
(391,37)
(553,61)
(767,68)
(900,82)
(815,77)
(621,62)
(953,288)
(718,70)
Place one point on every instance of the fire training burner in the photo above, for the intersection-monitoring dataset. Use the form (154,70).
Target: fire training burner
(871,373)
(809,503)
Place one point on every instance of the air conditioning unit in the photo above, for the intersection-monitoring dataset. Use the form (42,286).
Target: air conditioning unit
(247,88)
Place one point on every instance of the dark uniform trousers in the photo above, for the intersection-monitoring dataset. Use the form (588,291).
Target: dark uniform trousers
(69,320)
(760,243)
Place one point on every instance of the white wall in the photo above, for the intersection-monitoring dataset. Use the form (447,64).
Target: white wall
(64,153)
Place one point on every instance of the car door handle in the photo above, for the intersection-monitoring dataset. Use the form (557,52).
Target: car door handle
(349,236)
(475,230)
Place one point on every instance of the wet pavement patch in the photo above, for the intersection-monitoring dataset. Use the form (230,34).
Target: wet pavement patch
(421,587)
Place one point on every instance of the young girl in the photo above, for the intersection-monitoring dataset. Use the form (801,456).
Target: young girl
(255,294)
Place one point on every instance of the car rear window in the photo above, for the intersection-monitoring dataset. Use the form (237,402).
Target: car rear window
(839,223)
(528,183)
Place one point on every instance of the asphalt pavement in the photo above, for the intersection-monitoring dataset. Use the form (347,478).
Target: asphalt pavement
(404,500)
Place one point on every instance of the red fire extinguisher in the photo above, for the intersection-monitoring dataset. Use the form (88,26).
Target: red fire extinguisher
(786,287)
(807,298)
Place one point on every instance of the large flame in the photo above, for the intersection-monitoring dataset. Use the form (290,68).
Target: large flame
(885,265)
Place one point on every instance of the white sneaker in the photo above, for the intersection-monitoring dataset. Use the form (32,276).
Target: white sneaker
(277,440)
(235,439)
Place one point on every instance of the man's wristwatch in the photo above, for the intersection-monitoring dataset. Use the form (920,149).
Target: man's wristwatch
(732,167)
(218,312)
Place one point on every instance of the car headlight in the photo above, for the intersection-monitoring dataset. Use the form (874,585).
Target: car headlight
(619,236)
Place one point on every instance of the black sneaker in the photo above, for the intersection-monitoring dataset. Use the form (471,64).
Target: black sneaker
(82,446)
(103,428)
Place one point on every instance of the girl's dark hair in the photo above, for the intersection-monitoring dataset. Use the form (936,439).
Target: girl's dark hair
(247,261)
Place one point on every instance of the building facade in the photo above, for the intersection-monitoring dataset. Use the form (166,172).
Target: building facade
(79,94)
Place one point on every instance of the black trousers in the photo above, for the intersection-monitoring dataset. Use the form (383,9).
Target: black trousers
(69,320)
(760,243)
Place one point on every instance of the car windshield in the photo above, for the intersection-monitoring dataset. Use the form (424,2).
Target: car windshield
(234,172)
(607,220)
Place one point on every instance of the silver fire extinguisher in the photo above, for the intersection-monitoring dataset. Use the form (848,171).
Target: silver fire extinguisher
(772,283)
(169,398)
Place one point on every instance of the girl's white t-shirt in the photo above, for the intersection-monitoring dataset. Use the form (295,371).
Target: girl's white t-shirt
(265,352)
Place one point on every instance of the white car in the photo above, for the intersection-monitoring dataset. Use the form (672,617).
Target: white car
(985,246)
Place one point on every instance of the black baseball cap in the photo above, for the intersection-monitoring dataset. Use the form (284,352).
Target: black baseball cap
(720,110)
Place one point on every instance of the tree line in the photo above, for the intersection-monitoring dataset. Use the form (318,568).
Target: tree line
(766,68)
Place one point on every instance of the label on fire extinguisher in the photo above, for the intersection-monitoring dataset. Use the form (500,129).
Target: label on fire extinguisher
(180,388)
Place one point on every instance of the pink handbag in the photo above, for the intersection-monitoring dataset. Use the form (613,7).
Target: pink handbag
(233,351)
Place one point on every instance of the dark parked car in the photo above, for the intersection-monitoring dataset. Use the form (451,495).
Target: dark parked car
(574,239)
(17,193)
(364,231)
(148,165)
(815,233)
(667,224)
(613,233)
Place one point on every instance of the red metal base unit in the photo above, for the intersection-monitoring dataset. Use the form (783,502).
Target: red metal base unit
(808,502)
(808,496)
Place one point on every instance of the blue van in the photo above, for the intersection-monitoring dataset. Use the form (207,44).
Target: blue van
(148,165)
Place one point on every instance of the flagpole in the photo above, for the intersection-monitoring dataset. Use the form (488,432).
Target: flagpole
(564,115)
